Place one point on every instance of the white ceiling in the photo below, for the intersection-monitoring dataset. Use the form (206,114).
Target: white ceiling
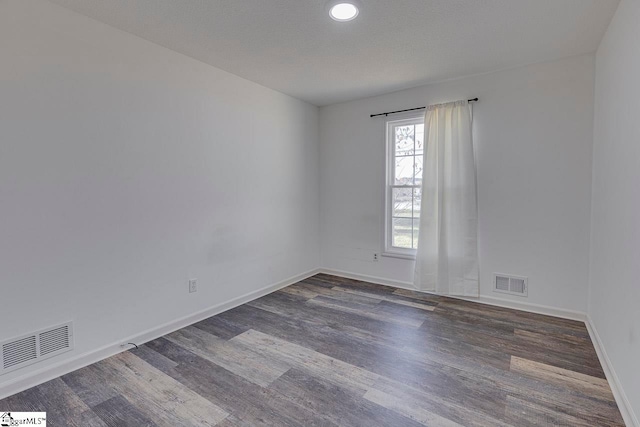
(294,47)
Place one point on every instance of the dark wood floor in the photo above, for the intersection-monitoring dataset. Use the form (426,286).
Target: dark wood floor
(330,351)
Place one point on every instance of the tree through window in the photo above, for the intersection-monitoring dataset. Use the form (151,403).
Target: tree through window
(405,149)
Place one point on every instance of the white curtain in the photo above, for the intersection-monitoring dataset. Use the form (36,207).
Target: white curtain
(447,258)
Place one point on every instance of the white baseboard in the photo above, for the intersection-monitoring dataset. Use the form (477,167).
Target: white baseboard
(630,418)
(489,300)
(531,308)
(35,377)
(371,279)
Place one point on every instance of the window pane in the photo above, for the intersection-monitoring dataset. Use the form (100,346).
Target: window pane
(401,237)
(404,140)
(406,149)
(404,170)
(417,170)
(402,202)
(417,199)
(419,138)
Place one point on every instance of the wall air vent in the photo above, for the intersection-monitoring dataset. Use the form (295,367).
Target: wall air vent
(31,348)
(19,352)
(508,284)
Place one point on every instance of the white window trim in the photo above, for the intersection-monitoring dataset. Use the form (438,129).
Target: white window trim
(389,249)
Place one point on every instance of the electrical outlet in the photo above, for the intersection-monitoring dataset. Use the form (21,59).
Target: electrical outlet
(193,286)
(375,257)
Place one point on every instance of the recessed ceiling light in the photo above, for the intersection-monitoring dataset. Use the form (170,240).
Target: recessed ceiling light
(343,11)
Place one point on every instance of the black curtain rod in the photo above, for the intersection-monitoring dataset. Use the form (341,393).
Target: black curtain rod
(410,109)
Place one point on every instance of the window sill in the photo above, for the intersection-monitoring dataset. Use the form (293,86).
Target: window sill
(410,257)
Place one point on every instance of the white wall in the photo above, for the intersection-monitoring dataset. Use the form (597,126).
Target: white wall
(533,128)
(614,303)
(127,168)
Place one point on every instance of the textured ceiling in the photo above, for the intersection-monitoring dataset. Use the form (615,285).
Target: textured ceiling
(294,47)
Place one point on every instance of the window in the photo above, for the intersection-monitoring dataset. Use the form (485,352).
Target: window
(405,148)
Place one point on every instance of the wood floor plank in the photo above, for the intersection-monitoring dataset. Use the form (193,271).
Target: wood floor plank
(337,404)
(317,282)
(249,404)
(419,296)
(162,399)
(337,340)
(299,329)
(333,292)
(118,412)
(287,306)
(473,352)
(331,351)
(229,422)
(159,361)
(365,311)
(528,414)
(482,395)
(383,308)
(586,384)
(299,291)
(441,404)
(89,386)
(557,396)
(317,364)
(240,360)
(330,338)
(332,281)
(501,335)
(389,358)
(219,327)
(400,301)
(404,407)
(62,405)
(397,363)
(502,338)
(519,319)
(560,343)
